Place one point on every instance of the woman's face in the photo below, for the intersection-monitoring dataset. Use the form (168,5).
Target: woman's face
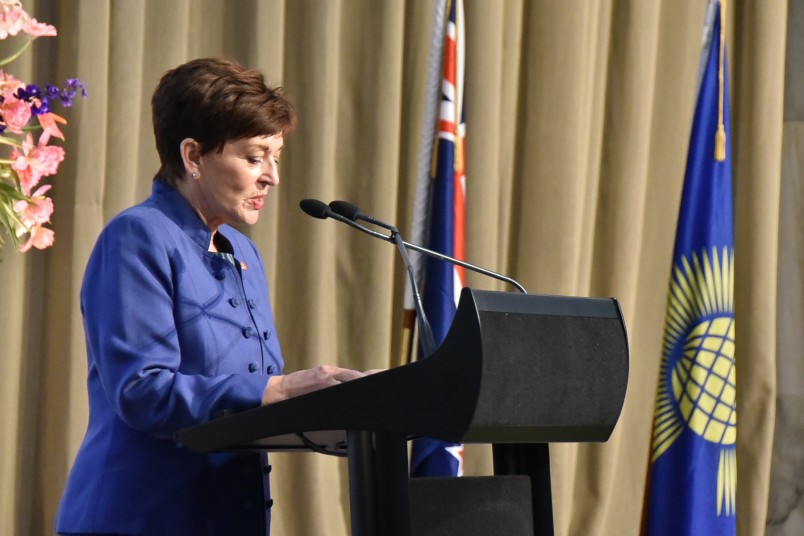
(232,184)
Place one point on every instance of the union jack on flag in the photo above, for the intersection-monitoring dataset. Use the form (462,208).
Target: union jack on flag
(444,281)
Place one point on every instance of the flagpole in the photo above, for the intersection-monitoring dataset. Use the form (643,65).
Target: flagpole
(720,135)
(706,43)
(421,202)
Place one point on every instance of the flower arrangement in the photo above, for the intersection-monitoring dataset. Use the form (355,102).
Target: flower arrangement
(24,207)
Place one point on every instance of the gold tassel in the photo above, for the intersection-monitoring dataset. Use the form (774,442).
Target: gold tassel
(720,135)
(720,143)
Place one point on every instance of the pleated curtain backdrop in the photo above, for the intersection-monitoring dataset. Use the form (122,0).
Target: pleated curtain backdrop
(578,118)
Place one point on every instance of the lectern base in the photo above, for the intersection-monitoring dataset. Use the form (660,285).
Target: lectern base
(471,506)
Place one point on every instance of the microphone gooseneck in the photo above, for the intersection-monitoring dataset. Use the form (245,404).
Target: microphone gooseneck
(347,213)
(350,212)
(425,331)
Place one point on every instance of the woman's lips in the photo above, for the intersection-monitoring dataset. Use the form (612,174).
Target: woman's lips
(257,202)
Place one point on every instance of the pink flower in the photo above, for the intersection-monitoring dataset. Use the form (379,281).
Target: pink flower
(25,214)
(35,212)
(12,18)
(49,127)
(35,162)
(40,238)
(16,113)
(9,82)
(39,29)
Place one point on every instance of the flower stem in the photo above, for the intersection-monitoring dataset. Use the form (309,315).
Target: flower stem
(10,141)
(16,55)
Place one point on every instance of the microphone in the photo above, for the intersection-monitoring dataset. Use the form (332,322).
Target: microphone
(350,213)
(348,210)
(315,208)
(319,209)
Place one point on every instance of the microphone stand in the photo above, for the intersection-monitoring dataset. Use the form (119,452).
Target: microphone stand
(472,267)
(425,331)
(394,238)
(318,209)
(347,213)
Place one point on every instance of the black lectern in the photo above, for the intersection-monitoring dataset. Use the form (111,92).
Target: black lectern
(517,371)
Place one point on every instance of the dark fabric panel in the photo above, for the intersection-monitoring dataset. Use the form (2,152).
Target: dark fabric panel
(471,506)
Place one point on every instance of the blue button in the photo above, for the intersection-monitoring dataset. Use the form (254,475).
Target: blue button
(269,369)
(234,301)
(266,335)
(253,367)
(252,303)
(266,470)
(269,503)
(248,332)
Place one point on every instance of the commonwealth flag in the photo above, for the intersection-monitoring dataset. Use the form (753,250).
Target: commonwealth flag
(444,281)
(693,464)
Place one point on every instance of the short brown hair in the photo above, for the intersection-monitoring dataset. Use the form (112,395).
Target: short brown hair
(213,101)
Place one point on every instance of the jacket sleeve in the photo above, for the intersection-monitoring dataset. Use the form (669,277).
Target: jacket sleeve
(131,330)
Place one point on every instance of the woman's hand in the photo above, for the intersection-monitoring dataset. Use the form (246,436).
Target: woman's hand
(305,381)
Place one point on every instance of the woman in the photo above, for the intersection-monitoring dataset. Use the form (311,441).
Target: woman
(178,324)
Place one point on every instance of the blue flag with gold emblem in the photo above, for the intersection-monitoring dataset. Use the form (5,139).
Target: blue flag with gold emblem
(693,469)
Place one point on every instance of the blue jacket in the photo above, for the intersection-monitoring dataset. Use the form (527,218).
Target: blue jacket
(175,336)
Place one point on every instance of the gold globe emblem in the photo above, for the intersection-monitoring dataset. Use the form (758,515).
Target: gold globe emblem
(704,381)
(697,373)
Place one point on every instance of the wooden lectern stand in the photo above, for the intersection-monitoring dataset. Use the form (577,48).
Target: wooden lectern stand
(517,371)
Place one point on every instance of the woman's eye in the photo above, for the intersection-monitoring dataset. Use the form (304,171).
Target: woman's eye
(254,160)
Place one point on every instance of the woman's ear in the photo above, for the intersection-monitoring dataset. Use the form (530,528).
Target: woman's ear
(190,156)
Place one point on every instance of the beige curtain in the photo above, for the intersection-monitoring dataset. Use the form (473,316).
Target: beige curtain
(578,121)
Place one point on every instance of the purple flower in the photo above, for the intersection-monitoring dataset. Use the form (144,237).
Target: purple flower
(43,107)
(33,96)
(71,88)
(77,84)
(33,91)
(66,95)
(28,92)
(52,92)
